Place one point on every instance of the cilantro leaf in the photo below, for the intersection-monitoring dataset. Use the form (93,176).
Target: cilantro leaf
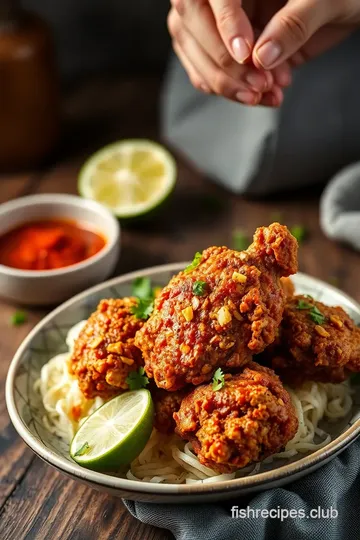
(314,312)
(137,379)
(240,240)
(300,232)
(303,305)
(218,380)
(141,288)
(143,309)
(199,288)
(196,261)
(316,315)
(18,318)
(82,450)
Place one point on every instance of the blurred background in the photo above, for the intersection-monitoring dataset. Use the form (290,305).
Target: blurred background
(95,36)
(75,76)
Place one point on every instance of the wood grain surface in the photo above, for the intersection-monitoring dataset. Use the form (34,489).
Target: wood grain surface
(37,502)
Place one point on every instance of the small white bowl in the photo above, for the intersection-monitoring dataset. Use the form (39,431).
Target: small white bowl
(44,287)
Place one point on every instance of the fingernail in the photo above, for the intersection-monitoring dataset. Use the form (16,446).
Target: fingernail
(268,54)
(249,98)
(240,49)
(256,81)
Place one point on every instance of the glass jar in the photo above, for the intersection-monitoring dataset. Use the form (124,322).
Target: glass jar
(29,97)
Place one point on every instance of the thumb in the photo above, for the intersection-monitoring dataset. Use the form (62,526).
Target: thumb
(289,29)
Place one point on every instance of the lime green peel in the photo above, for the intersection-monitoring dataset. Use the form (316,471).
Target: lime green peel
(115,434)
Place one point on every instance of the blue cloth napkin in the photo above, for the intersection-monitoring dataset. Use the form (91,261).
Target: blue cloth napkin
(335,485)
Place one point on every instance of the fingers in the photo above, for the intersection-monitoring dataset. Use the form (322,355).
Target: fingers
(234,27)
(204,73)
(195,78)
(198,19)
(282,75)
(206,76)
(289,29)
(274,98)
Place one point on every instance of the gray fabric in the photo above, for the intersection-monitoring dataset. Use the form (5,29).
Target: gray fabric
(258,150)
(336,484)
(340,207)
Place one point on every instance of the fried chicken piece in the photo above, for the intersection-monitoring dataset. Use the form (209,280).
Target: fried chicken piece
(249,419)
(166,404)
(288,287)
(104,353)
(311,346)
(220,312)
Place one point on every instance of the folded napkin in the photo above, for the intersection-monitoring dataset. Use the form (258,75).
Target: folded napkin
(340,207)
(335,485)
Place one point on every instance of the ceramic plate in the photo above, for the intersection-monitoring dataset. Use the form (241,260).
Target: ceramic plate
(48,339)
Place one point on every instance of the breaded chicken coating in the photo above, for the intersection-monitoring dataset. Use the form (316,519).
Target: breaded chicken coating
(316,342)
(166,404)
(288,286)
(249,419)
(218,312)
(105,353)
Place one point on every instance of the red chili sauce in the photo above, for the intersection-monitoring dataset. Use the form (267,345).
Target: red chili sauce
(49,244)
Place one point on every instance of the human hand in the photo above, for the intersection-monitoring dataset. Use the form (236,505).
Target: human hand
(298,30)
(212,36)
(213,39)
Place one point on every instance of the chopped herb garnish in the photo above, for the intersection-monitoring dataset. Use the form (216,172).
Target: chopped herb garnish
(82,450)
(145,294)
(218,380)
(314,313)
(143,309)
(137,379)
(199,288)
(299,232)
(303,305)
(18,318)
(141,288)
(196,261)
(240,240)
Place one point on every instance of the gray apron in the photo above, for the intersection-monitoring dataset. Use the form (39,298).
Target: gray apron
(259,150)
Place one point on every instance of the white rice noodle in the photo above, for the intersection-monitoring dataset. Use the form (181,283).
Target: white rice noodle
(169,459)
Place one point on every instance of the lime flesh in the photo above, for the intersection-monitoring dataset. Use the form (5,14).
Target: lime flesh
(130,177)
(115,434)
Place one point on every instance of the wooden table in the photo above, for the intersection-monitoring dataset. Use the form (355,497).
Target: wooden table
(37,502)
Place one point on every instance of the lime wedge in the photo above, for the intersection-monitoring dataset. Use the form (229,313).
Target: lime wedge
(130,177)
(116,433)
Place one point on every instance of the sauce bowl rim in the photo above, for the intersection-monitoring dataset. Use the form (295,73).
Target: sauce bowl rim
(112,233)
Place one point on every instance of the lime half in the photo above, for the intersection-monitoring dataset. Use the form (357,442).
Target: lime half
(116,433)
(130,177)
